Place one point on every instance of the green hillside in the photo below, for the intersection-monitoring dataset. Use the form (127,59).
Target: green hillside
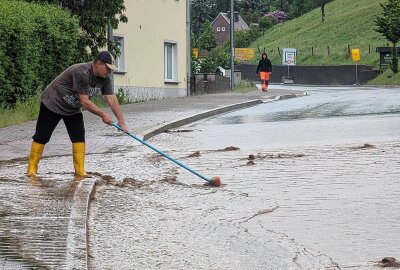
(347,23)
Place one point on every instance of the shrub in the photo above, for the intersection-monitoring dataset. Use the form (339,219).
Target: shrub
(278,15)
(37,43)
(217,57)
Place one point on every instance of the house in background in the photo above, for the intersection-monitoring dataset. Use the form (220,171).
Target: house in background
(154,50)
(221,26)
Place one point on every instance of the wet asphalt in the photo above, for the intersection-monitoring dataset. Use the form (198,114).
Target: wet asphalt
(140,211)
(45,222)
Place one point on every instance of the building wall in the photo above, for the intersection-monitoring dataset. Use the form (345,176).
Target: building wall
(150,24)
(222,36)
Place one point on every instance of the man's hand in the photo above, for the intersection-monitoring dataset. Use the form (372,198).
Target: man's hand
(106,118)
(114,105)
(124,127)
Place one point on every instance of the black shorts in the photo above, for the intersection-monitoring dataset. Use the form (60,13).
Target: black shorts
(48,120)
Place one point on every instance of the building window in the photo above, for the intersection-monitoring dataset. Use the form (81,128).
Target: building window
(170,61)
(120,60)
(218,29)
(223,28)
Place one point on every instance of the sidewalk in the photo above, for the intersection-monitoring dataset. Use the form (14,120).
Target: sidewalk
(43,223)
(15,141)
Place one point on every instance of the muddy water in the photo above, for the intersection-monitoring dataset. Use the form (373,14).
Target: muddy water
(160,217)
(292,200)
(335,179)
(34,215)
(319,191)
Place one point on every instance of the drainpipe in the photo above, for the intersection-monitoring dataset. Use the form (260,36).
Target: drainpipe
(188,49)
(232,22)
(110,37)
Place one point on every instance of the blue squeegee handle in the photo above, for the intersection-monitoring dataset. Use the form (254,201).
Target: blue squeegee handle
(162,153)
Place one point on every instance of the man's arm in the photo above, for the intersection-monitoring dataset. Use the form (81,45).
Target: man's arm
(114,105)
(91,107)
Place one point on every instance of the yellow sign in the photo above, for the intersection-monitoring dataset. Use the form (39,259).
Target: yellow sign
(244,53)
(355,54)
(195,53)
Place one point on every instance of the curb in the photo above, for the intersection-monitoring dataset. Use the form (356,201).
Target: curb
(196,117)
(77,256)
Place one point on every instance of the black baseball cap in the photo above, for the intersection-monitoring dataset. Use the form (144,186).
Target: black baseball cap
(107,58)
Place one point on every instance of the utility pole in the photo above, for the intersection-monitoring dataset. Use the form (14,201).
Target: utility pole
(232,22)
(110,37)
(188,50)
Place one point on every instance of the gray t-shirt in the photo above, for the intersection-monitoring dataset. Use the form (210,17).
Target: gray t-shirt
(62,94)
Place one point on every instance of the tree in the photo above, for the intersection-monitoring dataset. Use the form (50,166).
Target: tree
(94,16)
(207,40)
(389,26)
(252,6)
(321,4)
(200,12)
(266,22)
(221,6)
(300,7)
(243,38)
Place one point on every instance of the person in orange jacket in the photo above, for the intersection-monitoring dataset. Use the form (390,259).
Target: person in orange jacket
(265,69)
(63,99)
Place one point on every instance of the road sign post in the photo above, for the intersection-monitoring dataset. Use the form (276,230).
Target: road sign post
(288,59)
(356,56)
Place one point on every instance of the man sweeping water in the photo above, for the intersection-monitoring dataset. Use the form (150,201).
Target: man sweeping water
(63,99)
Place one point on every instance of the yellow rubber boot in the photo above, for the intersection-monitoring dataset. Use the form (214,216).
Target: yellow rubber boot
(78,150)
(34,158)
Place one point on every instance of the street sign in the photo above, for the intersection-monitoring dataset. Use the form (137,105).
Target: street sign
(195,53)
(289,57)
(244,53)
(355,54)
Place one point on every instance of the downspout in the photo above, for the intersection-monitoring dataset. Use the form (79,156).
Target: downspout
(188,49)
(110,36)
(232,35)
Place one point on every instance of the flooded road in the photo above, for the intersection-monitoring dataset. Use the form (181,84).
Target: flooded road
(168,219)
(328,160)
(34,216)
(322,117)
(308,183)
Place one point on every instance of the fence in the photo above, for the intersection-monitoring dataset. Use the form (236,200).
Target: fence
(327,54)
(315,75)
(208,83)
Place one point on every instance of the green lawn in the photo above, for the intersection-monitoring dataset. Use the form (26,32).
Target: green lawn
(348,24)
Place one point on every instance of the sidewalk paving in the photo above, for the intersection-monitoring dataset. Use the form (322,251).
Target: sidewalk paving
(15,141)
(41,224)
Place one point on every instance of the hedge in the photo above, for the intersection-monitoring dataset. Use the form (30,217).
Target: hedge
(37,42)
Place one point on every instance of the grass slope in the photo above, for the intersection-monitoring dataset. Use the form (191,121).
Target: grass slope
(347,23)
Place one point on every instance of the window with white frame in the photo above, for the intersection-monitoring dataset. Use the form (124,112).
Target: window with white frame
(223,28)
(218,29)
(170,61)
(120,60)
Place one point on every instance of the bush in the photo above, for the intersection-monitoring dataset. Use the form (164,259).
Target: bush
(244,38)
(37,43)
(217,57)
(123,97)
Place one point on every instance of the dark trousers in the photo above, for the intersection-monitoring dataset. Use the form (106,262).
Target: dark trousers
(48,120)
